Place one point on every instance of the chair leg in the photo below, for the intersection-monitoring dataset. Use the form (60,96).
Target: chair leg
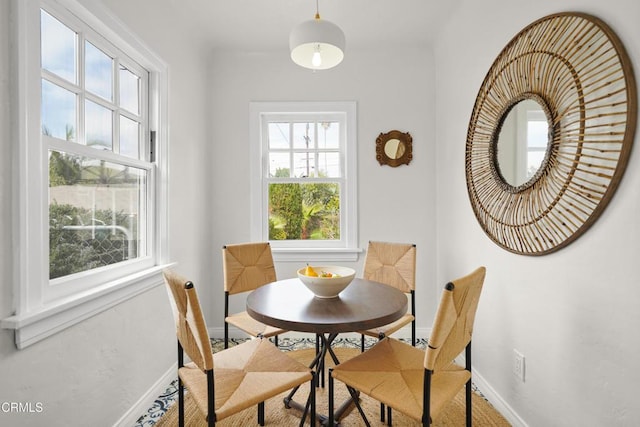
(261,413)
(310,406)
(275,340)
(226,335)
(330,420)
(180,386)
(389,421)
(467,358)
(426,399)
(319,374)
(380,337)
(361,343)
(469,406)
(312,395)
(180,403)
(413,333)
(211,405)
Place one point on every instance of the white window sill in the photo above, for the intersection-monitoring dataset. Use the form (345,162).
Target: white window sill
(315,254)
(39,324)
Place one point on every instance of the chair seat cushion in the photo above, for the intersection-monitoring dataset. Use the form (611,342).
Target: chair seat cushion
(244,376)
(251,326)
(392,372)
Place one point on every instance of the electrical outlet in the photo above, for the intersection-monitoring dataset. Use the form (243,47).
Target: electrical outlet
(518,364)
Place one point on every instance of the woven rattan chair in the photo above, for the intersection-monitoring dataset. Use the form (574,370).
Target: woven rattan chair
(393,264)
(246,267)
(415,382)
(231,380)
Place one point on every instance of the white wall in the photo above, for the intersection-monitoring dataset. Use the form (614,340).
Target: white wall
(393,90)
(92,373)
(573,314)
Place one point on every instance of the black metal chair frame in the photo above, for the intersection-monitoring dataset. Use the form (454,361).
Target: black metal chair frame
(226,325)
(413,325)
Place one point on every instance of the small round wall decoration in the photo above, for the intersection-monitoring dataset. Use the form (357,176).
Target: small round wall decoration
(550,133)
(394,148)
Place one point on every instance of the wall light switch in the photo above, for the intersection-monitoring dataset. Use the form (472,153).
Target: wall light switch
(518,364)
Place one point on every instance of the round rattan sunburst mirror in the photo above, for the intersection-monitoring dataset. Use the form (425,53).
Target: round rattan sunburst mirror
(571,72)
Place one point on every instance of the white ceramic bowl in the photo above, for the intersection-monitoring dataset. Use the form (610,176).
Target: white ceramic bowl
(327,287)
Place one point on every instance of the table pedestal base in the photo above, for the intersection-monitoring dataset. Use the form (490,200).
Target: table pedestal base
(318,366)
(339,413)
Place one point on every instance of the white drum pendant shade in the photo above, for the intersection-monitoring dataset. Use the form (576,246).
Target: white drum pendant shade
(317,44)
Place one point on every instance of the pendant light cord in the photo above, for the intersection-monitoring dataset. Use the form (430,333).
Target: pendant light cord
(317,10)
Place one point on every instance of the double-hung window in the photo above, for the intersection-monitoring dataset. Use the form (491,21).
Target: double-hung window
(91,134)
(304,178)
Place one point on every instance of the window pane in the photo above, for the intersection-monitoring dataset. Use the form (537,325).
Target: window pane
(329,135)
(304,165)
(279,135)
(58,112)
(308,211)
(94,213)
(279,165)
(98,74)
(329,165)
(98,125)
(303,135)
(129,137)
(537,133)
(129,90)
(58,47)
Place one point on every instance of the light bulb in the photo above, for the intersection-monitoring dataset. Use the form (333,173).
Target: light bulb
(316,60)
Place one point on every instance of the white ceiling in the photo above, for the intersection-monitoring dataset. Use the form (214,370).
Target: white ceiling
(256,25)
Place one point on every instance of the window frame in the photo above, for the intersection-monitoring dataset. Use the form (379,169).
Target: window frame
(344,249)
(40,310)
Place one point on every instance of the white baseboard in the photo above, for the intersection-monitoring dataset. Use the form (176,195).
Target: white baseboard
(146,401)
(497,401)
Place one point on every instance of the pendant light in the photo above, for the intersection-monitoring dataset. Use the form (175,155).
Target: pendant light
(317,44)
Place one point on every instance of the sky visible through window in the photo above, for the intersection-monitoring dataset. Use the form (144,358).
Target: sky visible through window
(61,89)
(305,149)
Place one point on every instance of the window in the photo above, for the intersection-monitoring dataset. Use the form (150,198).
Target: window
(304,179)
(537,140)
(93,129)
(90,216)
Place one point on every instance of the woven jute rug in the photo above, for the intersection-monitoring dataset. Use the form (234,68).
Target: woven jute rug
(276,414)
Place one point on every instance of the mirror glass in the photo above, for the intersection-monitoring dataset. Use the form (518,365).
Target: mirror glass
(394,148)
(522,143)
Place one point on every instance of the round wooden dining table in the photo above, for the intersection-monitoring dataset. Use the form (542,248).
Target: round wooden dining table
(289,305)
(364,304)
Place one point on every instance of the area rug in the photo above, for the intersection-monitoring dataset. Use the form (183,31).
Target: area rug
(276,414)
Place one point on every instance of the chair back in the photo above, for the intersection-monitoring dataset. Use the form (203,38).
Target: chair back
(247,266)
(393,264)
(191,328)
(453,324)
